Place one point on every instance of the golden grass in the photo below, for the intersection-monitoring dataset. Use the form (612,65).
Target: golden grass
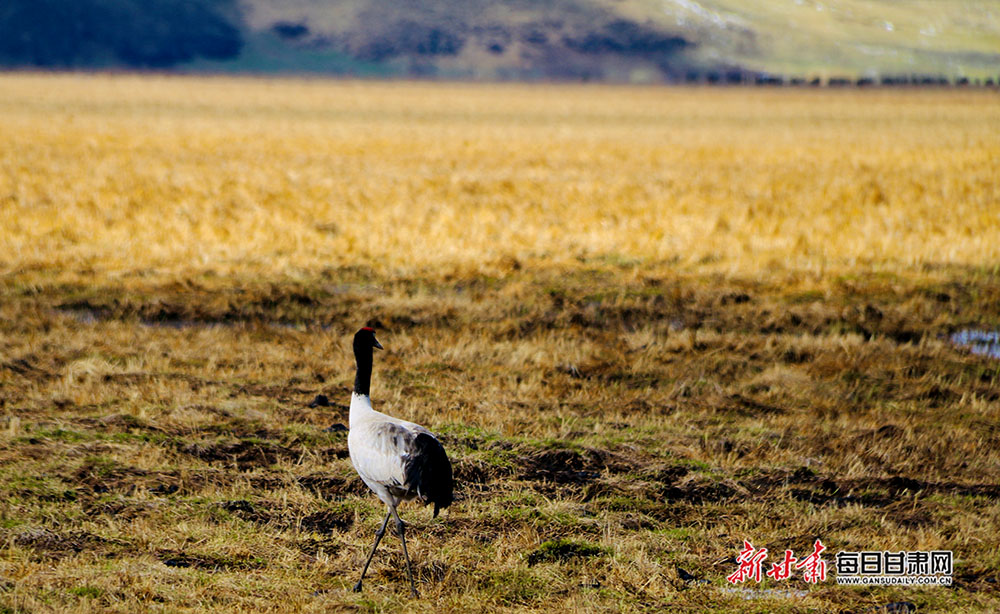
(651,322)
(126,174)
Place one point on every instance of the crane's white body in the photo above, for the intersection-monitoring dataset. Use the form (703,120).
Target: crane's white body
(380,446)
(398,460)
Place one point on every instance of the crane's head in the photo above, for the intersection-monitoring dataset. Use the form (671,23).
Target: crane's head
(364,340)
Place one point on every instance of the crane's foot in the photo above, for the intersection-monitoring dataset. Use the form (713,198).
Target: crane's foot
(414,593)
(357,587)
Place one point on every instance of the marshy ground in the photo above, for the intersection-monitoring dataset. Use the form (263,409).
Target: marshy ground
(621,410)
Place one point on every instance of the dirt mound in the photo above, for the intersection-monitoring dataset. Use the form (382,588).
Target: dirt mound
(332,487)
(565,466)
(246,454)
(52,543)
(698,489)
(122,509)
(476,474)
(176,558)
(805,485)
(327,521)
(99,477)
(283,517)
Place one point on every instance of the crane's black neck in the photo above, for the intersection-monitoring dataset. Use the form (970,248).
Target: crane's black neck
(363,378)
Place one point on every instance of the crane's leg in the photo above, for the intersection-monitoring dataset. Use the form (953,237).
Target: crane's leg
(402,537)
(378,538)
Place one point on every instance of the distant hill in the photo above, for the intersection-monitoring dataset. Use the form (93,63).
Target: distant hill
(611,40)
(116,33)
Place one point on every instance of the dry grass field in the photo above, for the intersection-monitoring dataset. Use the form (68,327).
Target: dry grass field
(647,323)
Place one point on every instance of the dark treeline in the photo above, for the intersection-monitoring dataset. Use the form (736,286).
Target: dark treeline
(738,76)
(103,33)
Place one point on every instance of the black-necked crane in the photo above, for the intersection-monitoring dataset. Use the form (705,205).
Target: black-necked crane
(398,460)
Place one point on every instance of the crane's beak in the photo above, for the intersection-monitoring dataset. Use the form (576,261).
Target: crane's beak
(378,345)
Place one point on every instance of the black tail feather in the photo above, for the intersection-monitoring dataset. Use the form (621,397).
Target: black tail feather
(428,472)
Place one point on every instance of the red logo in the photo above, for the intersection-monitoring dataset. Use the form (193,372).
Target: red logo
(749,561)
(815,567)
(784,569)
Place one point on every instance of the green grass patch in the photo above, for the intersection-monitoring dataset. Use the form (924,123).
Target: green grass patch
(86,592)
(515,586)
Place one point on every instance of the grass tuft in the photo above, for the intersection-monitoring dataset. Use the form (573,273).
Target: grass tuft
(559,550)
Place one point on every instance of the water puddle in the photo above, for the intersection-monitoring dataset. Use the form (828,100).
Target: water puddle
(764,593)
(83,316)
(93,316)
(86,315)
(978,341)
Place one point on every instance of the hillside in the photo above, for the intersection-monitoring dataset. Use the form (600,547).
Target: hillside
(639,40)
(605,40)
